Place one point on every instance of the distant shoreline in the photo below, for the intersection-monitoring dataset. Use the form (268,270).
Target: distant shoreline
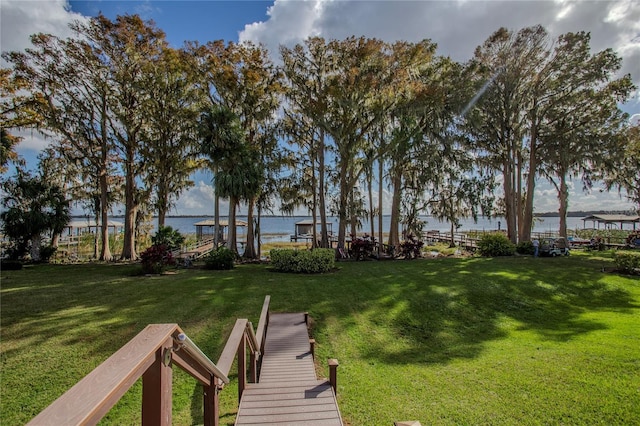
(545,214)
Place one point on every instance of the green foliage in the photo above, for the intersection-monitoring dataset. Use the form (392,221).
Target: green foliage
(303,261)
(627,261)
(496,244)
(221,259)
(169,237)
(32,207)
(525,247)
(46,253)
(156,259)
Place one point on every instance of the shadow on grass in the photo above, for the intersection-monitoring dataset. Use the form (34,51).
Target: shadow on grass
(448,308)
(439,309)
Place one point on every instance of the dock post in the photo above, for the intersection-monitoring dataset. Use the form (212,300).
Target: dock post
(333,374)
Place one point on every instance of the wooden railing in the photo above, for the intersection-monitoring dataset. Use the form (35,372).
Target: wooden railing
(192,248)
(151,355)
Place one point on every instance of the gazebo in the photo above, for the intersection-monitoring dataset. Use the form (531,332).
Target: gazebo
(610,220)
(304,230)
(206,228)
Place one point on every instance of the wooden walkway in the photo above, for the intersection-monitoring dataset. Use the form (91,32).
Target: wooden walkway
(288,392)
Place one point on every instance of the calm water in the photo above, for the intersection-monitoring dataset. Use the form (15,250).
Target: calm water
(278,228)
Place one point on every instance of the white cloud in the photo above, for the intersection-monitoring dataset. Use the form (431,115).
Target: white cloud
(197,200)
(21,19)
(457,26)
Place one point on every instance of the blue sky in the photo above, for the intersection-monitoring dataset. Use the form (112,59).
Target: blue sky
(457,26)
(185,20)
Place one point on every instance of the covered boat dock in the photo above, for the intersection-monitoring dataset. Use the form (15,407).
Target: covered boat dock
(612,221)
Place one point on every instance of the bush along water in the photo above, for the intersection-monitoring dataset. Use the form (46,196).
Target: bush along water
(303,261)
(168,236)
(497,244)
(627,261)
(220,259)
(156,259)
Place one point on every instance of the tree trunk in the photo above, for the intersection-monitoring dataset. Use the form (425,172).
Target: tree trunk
(216,212)
(321,192)
(563,197)
(128,248)
(394,237)
(370,193)
(162,208)
(342,205)
(510,211)
(231,234)
(452,243)
(250,248)
(353,218)
(105,251)
(527,220)
(380,225)
(314,207)
(36,241)
(259,232)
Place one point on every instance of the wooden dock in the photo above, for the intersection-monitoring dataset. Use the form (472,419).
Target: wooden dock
(288,391)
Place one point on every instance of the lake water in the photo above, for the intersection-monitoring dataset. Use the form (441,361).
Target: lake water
(279,228)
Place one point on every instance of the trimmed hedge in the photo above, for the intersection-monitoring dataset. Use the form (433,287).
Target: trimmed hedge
(303,261)
(525,247)
(627,261)
(221,259)
(497,244)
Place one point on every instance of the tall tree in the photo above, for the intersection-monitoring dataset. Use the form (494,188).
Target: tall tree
(170,151)
(128,46)
(72,81)
(506,64)
(581,129)
(222,137)
(307,69)
(572,109)
(625,173)
(243,78)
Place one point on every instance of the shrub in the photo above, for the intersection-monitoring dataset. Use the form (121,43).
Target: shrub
(303,261)
(221,259)
(627,261)
(156,259)
(496,244)
(411,248)
(10,265)
(169,237)
(46,253)
(525,247)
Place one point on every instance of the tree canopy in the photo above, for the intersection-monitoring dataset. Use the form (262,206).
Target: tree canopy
(133,118)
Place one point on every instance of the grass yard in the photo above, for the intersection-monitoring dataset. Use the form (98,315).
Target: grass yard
(445,341)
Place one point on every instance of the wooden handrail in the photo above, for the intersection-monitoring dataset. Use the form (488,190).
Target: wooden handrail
(150,355)
(261,332)
(92,397)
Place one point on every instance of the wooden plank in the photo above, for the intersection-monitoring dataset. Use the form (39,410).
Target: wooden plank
(288,392)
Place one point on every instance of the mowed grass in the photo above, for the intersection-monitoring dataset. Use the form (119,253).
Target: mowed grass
(445,341)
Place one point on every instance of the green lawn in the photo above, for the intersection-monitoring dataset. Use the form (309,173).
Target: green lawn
(444,341)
